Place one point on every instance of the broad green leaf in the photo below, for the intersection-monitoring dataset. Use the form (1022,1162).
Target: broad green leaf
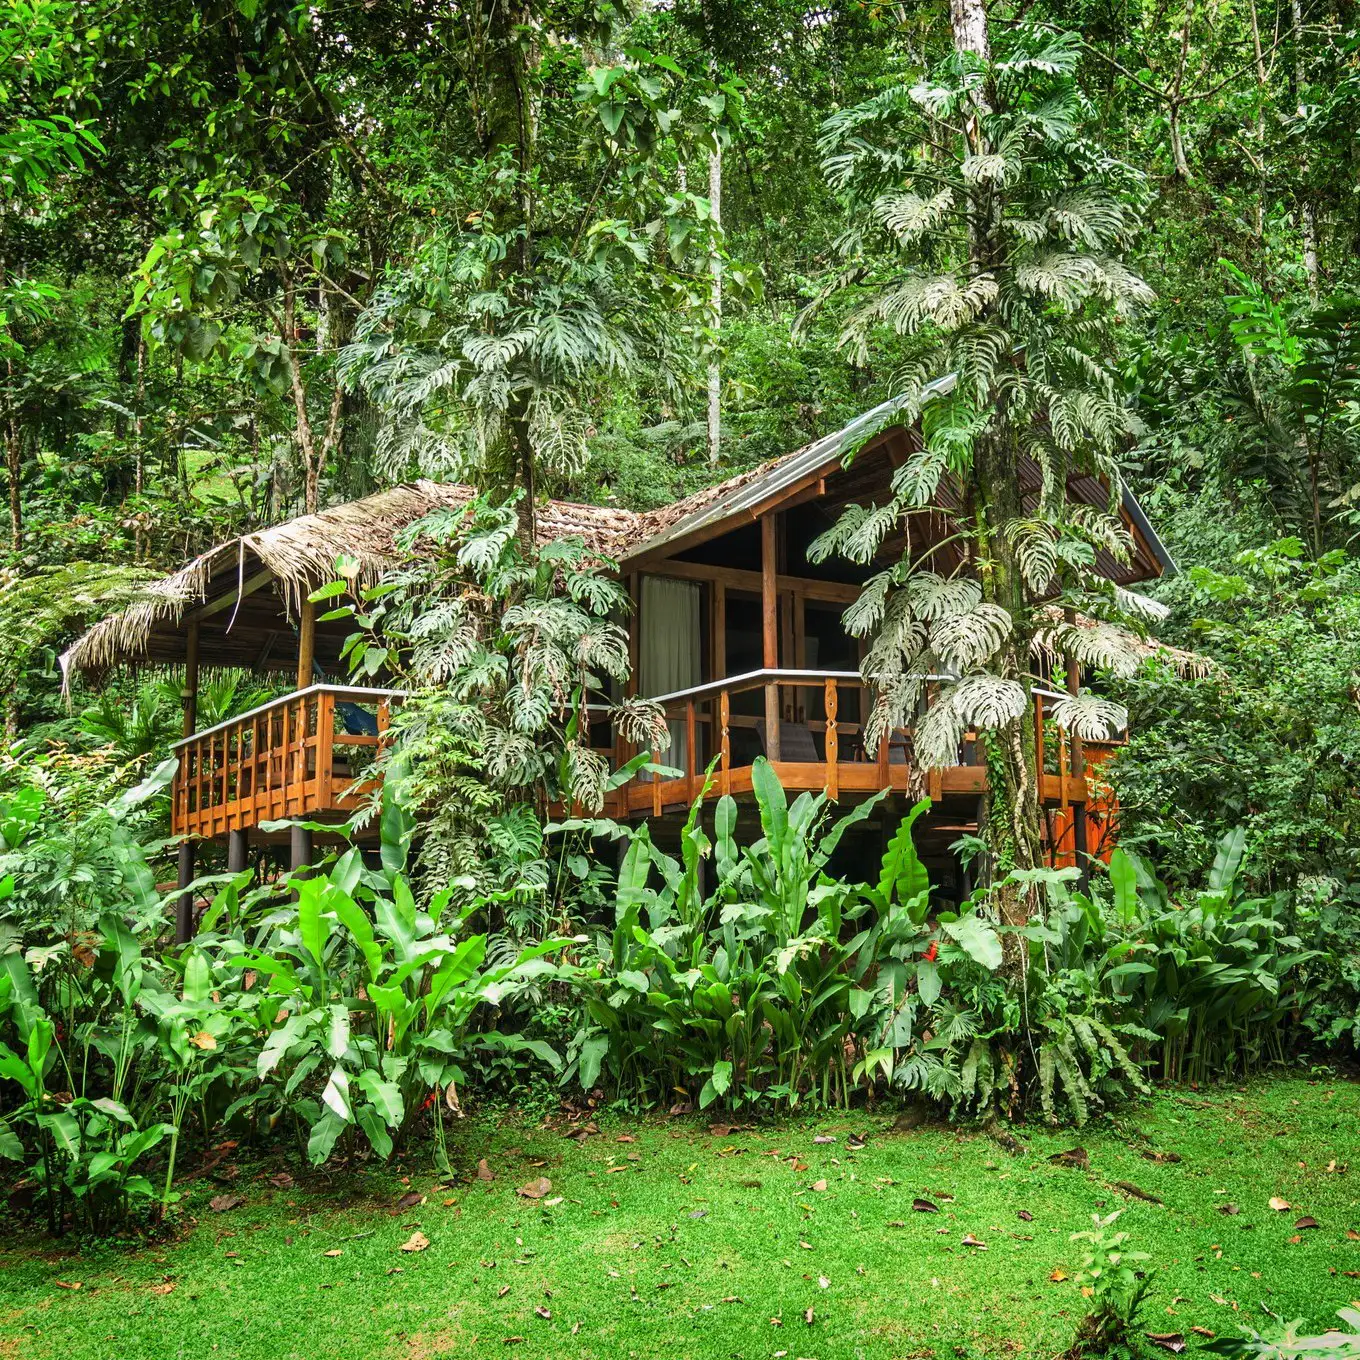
(977,939)
(324,1133)
(337,1030)
(336,1095)
(592,1056)
(385,1095)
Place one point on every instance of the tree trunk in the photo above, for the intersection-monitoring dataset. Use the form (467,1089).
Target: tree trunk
(715,307)
(1307,212)
(509,122)
(13,463)
(1012,816)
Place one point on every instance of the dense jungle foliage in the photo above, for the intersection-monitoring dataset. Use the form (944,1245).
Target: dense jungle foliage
(257,258)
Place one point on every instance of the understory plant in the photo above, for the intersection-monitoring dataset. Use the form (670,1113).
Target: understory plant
(1115,1287)
(752,974)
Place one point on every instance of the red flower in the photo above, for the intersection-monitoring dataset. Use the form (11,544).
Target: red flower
(430,1100)
(932,953)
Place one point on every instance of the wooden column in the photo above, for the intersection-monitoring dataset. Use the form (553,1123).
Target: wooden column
(630,688)
(306,644)
(769,615)
(1080,853)
(718,654)
(189,694)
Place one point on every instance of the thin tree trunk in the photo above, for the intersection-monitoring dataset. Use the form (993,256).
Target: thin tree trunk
(715,307)
(1013,818)
(311,469)
(13,462)
(1307,212)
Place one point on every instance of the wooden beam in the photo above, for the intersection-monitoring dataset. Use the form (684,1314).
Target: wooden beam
(189,695)
(306,644)
(215,606)
(735,578)
(769,617)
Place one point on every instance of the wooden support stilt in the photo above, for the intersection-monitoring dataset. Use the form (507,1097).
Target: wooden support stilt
(299,848)
(184,905)
(238,851)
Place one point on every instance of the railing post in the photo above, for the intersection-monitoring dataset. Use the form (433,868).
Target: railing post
(325,748)
(656,785)
(884,743)
(833,746)
(772,721)
(725,740)
(690,754)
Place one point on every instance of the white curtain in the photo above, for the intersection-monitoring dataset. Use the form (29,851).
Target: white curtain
(668,654)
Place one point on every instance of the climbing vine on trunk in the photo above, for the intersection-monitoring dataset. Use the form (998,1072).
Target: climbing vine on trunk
(990,233)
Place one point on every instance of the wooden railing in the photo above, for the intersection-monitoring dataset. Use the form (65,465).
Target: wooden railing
(817,741)
(292,757)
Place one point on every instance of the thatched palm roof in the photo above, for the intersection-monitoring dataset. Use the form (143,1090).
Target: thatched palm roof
(296,556)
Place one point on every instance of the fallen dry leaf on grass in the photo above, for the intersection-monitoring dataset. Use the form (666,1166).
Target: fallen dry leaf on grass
(220,1204)
(416,1242)
(281,1180)
(1228,1209)
(410,1199)
(1058,1275)
(971,1241)
(69,1284)
(544,1313)
(1025,1216)
(1352,1235)
(334,1251)
(819,1185)
(1307,1221)
(824,1138)
(165,1287)
(807,1316)
(1278,1204)
(1168,1341)
(484,1172)
(536,1189)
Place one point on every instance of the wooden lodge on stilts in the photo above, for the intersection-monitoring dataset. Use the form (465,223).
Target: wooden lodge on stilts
(733,632)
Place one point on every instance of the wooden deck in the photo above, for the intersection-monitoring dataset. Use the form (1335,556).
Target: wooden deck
(823,712)
(294,758)
(290,758)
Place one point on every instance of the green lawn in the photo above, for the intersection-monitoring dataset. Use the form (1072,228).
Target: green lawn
(714,1245)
